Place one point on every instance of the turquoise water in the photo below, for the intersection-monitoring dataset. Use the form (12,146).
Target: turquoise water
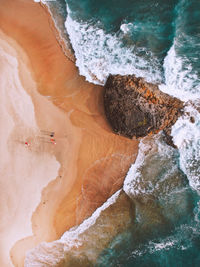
(166,229)
(147,29)
(151,22)
(160,41)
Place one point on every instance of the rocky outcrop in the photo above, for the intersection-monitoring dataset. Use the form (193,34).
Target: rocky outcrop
(136,108)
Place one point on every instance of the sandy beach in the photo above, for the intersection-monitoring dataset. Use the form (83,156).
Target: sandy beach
(45,188)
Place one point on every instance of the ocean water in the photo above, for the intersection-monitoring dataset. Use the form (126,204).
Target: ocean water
(166,228)
(160,41)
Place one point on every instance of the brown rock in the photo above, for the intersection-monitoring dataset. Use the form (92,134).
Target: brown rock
(136,108)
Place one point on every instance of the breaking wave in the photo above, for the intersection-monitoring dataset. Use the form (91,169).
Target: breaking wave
(81,245)
(181,80)
(186,136)
(99,54)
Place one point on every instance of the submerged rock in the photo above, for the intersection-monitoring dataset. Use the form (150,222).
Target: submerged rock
(136,108)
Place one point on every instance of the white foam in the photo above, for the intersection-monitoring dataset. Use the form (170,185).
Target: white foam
(99,54)
(51,254)
(132,180)
(163,245)
(125,28)
(72,236)
(152,247)
(136,182)
(181,80)
(186,136)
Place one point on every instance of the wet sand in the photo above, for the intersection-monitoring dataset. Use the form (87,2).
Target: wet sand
(93,161)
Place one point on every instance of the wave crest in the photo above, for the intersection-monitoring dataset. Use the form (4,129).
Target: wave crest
(99,54)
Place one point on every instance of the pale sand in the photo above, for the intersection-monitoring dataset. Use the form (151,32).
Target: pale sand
(93,160)
(24,171)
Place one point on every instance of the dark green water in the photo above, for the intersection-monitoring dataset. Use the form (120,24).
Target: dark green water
(139,29)
(152,21)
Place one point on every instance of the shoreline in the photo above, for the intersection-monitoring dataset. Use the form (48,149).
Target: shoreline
(41,220)
(57,32)
(94,161)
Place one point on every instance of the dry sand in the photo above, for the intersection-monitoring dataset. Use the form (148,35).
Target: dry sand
(51,187)
(24,171)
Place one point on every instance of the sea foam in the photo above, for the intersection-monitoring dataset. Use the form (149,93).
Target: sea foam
(72,236)
(147,175)
(57,11)
(99,54)
(186,136)
(84,242)
(181,80)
